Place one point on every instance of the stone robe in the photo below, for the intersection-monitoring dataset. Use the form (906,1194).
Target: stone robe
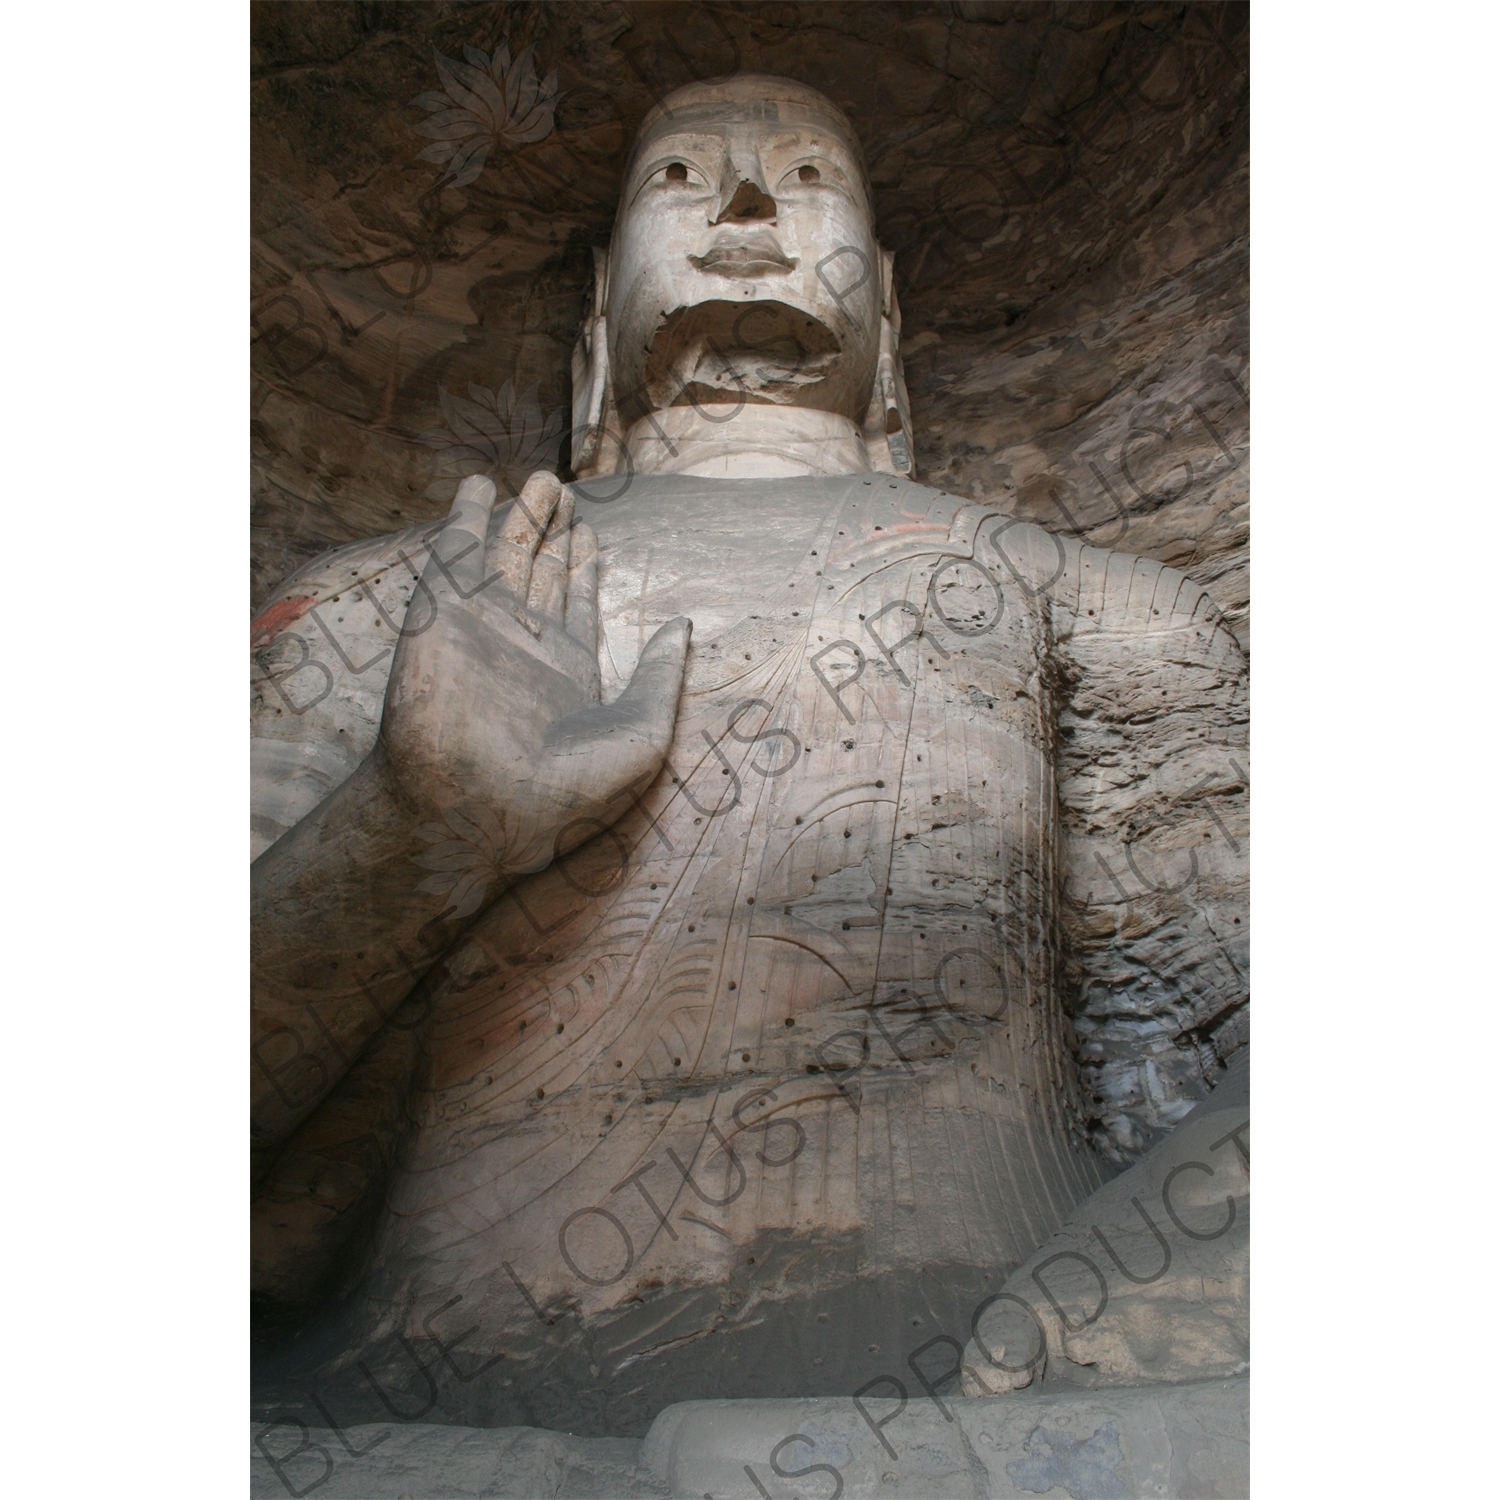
(933,918)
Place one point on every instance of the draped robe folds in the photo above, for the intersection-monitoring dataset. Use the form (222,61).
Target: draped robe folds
(771,1082)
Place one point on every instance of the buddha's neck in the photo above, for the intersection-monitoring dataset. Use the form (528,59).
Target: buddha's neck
(751,441)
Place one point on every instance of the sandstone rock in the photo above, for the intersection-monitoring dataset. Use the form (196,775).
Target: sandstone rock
(1065,191)
(1101,706)
(422,1460)
(1188,1440)
(915,1152)
(1148,1281)
(1167,1441)
(1181,1440)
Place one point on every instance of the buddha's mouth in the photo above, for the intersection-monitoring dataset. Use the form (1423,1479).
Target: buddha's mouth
(717,352)
(757,255)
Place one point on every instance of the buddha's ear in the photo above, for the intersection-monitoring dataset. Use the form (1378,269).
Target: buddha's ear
(887,425)
(593,410)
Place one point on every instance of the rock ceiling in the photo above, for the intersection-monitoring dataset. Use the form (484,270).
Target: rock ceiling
(1066,189)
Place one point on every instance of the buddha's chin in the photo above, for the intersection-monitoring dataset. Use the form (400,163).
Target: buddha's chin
(766,353)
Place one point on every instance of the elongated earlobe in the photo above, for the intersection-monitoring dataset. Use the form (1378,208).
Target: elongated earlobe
(591,377)
(887,425)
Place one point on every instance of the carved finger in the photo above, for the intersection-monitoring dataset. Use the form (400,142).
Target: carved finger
(648,706)
(583,587)
(596,758)
(458,549)
(549,573)
(521,534)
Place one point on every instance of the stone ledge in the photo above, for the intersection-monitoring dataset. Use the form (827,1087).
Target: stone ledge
(1156,1441)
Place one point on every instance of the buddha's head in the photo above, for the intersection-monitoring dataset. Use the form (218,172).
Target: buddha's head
(744,320)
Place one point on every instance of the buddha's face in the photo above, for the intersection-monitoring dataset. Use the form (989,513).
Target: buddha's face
(744,264)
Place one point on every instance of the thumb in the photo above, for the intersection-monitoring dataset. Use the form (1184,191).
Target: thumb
(602,749)
(649,702)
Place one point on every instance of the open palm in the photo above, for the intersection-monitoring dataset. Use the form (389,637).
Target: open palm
(492,718)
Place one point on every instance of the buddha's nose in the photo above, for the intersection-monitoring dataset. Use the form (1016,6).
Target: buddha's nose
(743,200)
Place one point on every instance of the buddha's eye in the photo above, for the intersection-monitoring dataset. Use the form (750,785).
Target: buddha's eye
(809,174)
(680,180)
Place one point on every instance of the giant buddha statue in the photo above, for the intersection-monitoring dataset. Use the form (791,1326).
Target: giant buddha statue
(714,917)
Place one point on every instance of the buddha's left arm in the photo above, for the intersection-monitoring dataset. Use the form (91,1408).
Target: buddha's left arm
(1151,705)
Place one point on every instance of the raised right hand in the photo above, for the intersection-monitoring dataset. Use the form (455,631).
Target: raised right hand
(492,722)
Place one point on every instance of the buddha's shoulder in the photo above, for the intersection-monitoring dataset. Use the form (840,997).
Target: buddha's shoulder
(1085,587)
(341,570)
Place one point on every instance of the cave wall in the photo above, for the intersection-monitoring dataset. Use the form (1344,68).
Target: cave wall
(1065,188)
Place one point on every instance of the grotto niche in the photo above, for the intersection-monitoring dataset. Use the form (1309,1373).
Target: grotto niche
(749,724)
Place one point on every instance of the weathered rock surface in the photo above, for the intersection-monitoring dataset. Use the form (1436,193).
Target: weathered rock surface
(1070,267)
(1148,1424)
(1065,189)
(597,1028)
(405,1462)
(1184,1440)
(1170,1440)
(1148,1281)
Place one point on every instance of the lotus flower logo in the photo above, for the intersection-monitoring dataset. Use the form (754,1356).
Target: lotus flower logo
(493,433)
(466,853)
(486,101)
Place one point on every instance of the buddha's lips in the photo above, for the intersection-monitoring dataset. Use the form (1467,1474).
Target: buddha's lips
(751,257)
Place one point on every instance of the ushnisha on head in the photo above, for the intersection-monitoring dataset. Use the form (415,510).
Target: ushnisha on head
(744,321)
